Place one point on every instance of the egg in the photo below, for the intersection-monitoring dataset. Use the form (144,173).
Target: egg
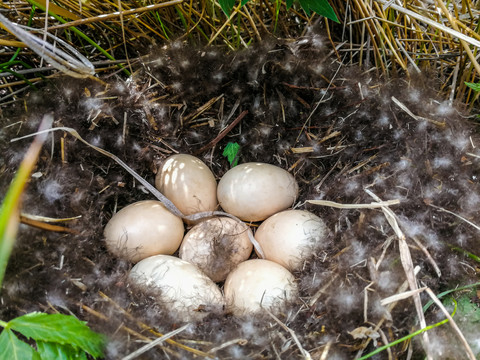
(255,191)
(143,229)
(291,236)
(216,246)
(189,294)
(258,283)
(187,182)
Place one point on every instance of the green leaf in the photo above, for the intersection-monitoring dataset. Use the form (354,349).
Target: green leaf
(59,328)
(289,3)
(321,7)
(231,153)
(468,308)
(49,350)
(474,86)
(227,6)
(11,348)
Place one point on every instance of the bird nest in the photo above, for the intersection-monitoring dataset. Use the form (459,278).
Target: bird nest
(390,168)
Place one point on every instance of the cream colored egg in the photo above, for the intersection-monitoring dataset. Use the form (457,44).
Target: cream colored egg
(255,191)
(216,246)
(188,183)
(259,283)
(186,291)
(291,236)
(143,229)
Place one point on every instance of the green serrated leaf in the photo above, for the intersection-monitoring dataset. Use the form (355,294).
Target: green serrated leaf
(49,350)
(227,6)
(59,328)
(473,86)
(231,153)
(12,348)
(468,308)
(321,7)
(289,3)
(244,2)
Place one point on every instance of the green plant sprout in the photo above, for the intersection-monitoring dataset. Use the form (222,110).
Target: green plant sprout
(466,308)
(405,338)
(231,153)
(57,336)
(473,86)
(321,7)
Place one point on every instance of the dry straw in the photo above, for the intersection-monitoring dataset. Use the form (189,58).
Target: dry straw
(393,36)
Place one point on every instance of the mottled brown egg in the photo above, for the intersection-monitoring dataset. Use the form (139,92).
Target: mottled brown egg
(216,246)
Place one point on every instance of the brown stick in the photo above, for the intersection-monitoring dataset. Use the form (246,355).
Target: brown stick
(222,133)
(45,226)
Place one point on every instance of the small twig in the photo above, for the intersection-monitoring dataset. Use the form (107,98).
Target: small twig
(223,133)
(305,353)
(202,109)
(456,215)
(429,257)
(46,226)
(372,205)
(241,342)
(320,291)
(473,155)
(401,296)
(146,327)
(48,219)
(154,343)
(416,117)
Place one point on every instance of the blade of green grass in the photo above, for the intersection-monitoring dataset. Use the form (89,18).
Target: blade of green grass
(405,338)
(9,211)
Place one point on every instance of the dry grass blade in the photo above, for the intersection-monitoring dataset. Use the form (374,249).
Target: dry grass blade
(416,117)
(195,352)
(401,296)
(408,267)
(242,342)
(388,34)
(434,24)
(462,40)
(306,355)
(42,225)
(154,343)
(429,257)
(456,215)
(73,64)
(373,205)
(117,14)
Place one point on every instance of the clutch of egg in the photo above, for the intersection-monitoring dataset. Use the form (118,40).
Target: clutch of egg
(216,249)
